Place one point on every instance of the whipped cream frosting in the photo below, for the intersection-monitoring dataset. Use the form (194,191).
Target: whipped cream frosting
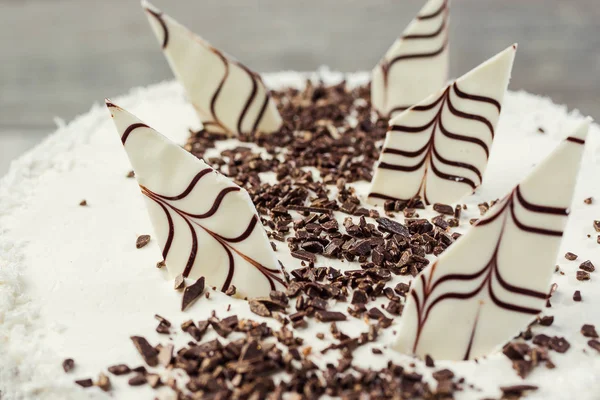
(73,284)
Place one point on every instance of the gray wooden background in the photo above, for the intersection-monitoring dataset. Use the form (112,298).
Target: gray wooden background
(57,57)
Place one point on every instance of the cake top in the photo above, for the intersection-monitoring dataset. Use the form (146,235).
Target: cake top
(297,167)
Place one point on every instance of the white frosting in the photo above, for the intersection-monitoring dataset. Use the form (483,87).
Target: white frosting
(439,149)
(494,280)
(206,224)
(416,65)
(72,283)
(228,97)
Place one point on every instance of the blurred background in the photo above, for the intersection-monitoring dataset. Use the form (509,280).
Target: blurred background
(57,57)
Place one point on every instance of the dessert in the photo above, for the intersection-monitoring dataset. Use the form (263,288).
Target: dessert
(89,307)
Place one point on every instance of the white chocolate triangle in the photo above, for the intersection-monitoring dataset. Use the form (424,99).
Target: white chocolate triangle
(205,224)
(439,148)
(228,97)
(417,63)
(494,280)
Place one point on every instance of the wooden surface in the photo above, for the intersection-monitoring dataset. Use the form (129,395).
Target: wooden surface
(60,56)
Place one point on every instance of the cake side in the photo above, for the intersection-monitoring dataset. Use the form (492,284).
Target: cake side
(110,290)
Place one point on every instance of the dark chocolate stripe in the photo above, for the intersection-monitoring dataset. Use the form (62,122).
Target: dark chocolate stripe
(245,235)
(130,129)
(411,56)
(230,271)
(213,100)
(474,97)
(510,306)
(412,129)
(160,20)
(171,234)
(536,207)
(464,138)
(194,249)
(472,337)
(435,13)
(405,168)
(575,140)
(451,177)
(250,97)
(399,108)
(389,150)
(470,116)
(190,187)
(216,204)
(427,35)
(515,289)
(457,164)
(261,113)
(532,229)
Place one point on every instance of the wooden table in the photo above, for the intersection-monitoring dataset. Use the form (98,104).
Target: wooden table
(60,56)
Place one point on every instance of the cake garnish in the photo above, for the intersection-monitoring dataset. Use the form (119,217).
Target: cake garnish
(68,364)
(417,63)
(439,148)
(205,224)
(495,279)
(142,241)
(228,97)
(146,350)
(192,293)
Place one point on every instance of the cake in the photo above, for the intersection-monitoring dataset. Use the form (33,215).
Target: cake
(85,294)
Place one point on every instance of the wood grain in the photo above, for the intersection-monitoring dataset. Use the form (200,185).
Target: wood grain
(60,56)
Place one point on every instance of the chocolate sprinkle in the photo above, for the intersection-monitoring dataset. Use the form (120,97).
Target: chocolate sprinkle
(119,369)
(588,330)
(85,383)
(142,241)
(587,266)
(570,256)
(148,353)
(192,293)
(68,364)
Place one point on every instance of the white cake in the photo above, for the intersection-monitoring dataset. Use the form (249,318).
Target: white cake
(73,284)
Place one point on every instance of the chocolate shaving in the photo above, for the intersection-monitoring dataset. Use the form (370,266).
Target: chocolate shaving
(587,266)
(192,293)
(68,365)
(570,256)
(577,295)
(85,383)
(142,241)
(588,330)
(148,353)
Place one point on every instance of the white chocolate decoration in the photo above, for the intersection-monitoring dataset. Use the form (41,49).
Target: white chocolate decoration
(439,148)
(228,97)
(205,224)
(417,63)
(495,279)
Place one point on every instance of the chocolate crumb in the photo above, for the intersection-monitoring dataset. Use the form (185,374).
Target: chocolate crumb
(119,369)
(137,380)
(161,264)
(517,389)
(570,256)
(443,375)
(597,226)
(588,200)
(546,320)
(142,241)
(330,316)
(165,354)
(577,295)
(588,330)
(559,344)
(259,308)
(594,344)
(583,276)
(68,364)
(587,266)
(103,382)
(443,209)
(192,293)
(85,383)
(179,282)
(130,174)
(83,203)
(541,130)
(148,353)
(429,361)
(230,290)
